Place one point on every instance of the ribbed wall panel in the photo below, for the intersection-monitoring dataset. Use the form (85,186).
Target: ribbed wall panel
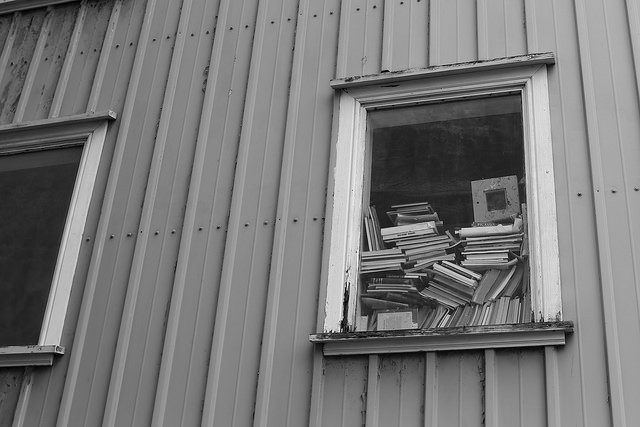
(133,382)
(199,280)
(453,25)
(295,268)
(235,357)
(360,38)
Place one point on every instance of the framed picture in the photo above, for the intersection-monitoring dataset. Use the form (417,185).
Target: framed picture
(495,199)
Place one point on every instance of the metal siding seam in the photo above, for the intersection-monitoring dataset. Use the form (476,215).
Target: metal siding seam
(552,382)
(604,239)
(531,26)
(105,53)
(225,342)
(76,381)
(343,40)
(267,397)
(317,388)
(633,16)
(431,389)
(8,44)
(65,73)
(125,359)
(388,28)
(434,33)
(36,58)
(185,271)
(491,410)
(373,392)
(483,29)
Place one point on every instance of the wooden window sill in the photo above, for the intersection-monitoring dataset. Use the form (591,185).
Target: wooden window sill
(29,355)
(444,339)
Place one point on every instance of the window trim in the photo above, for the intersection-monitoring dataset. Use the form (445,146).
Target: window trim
(526,74)
(90,131)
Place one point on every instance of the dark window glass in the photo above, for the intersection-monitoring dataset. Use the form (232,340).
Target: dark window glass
(35,192)
(435,169)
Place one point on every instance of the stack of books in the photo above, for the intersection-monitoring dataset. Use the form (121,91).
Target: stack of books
(491,251)
(414,276)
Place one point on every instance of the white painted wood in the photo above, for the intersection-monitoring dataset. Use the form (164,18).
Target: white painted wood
(90,131)
(541,200)
(525,75)
(451,69)
(347,213)
(71,242)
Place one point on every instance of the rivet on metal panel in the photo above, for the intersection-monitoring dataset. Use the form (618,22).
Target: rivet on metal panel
(168,37)
(579,194)
(636,189)
(217,227)
(46,59)
(315,15)
(273,22)
(246,224)
(200,228)
(173,231)
(295,219)
(266,223)
(315,218)
(330,13)
(154,39)
(129,234)
(246,26)
(112,236)
(131,44)
(192,34)
(357,9)
(614,191)
(88,239)
(156,232)
(117,46)
(375,6)
(230,28)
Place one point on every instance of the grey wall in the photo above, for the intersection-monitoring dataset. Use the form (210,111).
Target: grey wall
(199,285)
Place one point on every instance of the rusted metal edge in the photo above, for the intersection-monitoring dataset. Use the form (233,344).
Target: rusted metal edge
(462,67)
(31,355)
(444,339)
(9,6)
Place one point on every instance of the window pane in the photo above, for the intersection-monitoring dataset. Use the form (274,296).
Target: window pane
(35,192)
(434,170)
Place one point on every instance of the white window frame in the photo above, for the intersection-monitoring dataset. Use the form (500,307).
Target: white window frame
(524,74)
(89,131)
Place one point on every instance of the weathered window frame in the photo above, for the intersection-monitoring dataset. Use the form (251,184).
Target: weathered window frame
(356,96)
(88,130)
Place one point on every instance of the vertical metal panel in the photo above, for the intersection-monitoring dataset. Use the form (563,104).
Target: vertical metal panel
(517,381)
(501,28)
(360,41)
(401,390)
(405,35)
(243,288)
(459,381)
(133,381)
(10,383)
(296,255)
(344,388)
(86,56)
(607,71)
(85,393)
(551,26)
(18,56)
(452,31)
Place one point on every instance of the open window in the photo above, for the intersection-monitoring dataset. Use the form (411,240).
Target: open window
(47,175)
(443,214)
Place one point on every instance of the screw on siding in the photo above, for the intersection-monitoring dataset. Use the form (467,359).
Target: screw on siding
(200,228)
(129,234)
(173,231)
(156,232)
(218,227)
(579,194)
(614,191)
(88,239)
(112,236)
(636,189)
(295,219)
(266,222)
(246,224)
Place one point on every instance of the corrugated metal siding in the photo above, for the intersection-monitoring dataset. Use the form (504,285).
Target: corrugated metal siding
(200,278)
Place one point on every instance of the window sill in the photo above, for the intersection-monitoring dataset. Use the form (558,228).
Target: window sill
(460,338)
(29,355)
